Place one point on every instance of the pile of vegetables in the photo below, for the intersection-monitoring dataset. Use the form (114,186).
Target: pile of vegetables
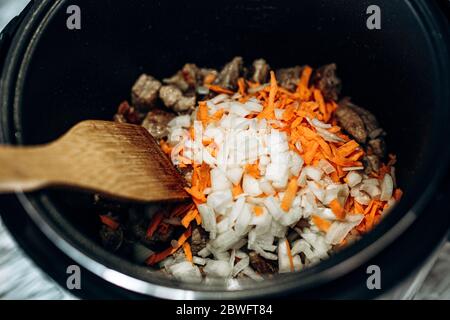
(277,181)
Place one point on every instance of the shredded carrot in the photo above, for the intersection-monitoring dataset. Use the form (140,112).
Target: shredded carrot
(303,84)
(358,208)
(290,194)
(204,177)
(310,152)
(268,112)
(370,217)
(195,193)
(187,251)
(398,193)
(291,260)
(322,224)
(319,99)
(258,210)
(181,209)
(110,222)
(202,113)
(158,257)
(219,89)
(252,169)
(155,222)
(347,148)
(337,209)
(189,217)
(218,115)
(237,190)
(198,219)
(241,86)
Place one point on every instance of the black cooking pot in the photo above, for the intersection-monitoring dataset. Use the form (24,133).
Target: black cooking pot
(54,77)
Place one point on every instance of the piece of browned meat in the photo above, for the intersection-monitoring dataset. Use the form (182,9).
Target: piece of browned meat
(186,78)
(199,239)
(156,123)
(230,74)
(260,71)
(373,128)
(371,163)
(363,126)
(145,92)
(377,147)
(173,98)
(288,77)
(350,120)
(325,79)
(127,114)
(261,265)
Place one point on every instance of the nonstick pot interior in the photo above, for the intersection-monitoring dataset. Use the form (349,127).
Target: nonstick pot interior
(65,76)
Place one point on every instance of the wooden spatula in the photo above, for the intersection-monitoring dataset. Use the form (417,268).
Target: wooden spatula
(118,160)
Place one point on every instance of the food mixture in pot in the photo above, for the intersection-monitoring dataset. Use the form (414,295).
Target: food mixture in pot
(282,171)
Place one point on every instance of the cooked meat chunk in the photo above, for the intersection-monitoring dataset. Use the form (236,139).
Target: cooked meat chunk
(185,104)
(190,74)
(377,147)
(230,73)
(173,98)
(145,92)
(156,123)
(260,71)
(199,239)
(370,121)
(170,95)
(262,265)
(127,114)
(371,163)
(185,78)
(111,239)
(326,80)
(288,77)
(350,120)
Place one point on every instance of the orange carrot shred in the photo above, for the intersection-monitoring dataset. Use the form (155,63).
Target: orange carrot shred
(219,89)
(347,148)
(398,194)
(291,260)
(241,86)
(190,216)
(337,209)
(237,190)
(155,222)
(202,114)
(290,194)
(110,222)
(258,210)
(322,224)
(187,251)
(268,112)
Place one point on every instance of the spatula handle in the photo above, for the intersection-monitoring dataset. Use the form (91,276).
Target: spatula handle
(26,168)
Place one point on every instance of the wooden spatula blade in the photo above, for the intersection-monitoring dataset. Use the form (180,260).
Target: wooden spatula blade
(120,160)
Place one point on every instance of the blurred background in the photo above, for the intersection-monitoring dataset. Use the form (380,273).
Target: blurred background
(9,9)
(20,278)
